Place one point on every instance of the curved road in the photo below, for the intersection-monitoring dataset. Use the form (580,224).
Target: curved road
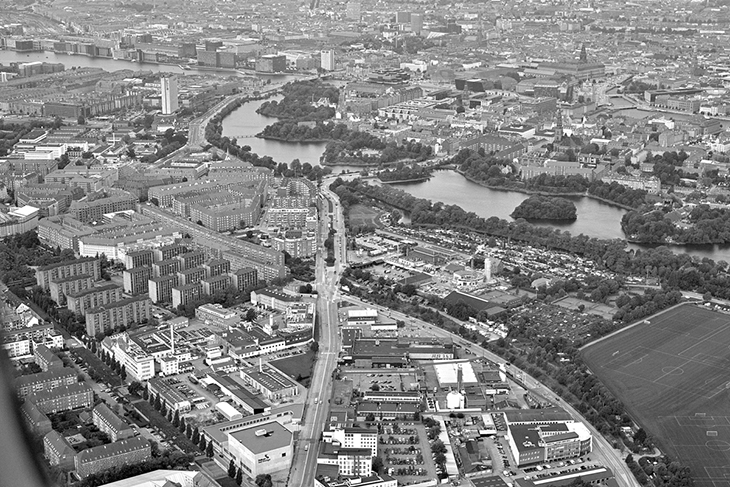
(603,452)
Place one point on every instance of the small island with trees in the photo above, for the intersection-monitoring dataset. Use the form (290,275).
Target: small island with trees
(545,208)
(403,173)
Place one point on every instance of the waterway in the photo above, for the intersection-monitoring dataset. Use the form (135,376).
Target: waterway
(244,123)
(108,64)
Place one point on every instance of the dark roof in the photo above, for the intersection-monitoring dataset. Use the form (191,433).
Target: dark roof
(112,449)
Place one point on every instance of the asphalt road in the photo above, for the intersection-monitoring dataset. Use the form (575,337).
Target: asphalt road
(304,463)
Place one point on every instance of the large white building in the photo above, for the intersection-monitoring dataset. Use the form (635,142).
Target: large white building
(139,364)
(168,94)
(262,448)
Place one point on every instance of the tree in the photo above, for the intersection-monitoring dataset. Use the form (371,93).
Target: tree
(231,469)
(81,120)
(188,430)
(314,346)
(377,464)
(123,373)
(158,403)
(176,419)
(202,445)
(196,436)
(263,480)
(209,450)
(239,476)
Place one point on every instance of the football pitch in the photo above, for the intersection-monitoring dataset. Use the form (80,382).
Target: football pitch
(673,376)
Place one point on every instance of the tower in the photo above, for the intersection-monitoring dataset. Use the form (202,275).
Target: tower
(172,339)
(558,125)
(168,95)
(488,270)
(583,55)
(459,378)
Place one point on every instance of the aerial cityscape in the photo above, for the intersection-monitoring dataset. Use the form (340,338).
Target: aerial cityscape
(365,243)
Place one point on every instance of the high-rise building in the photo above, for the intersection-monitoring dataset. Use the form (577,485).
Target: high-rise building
(168,92)
(416,23)
(328,60)
(353,10)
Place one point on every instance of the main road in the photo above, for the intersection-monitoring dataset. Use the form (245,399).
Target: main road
(304,463)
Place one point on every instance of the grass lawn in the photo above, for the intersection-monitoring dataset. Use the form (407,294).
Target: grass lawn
(168,430)
(298,367)
(104,373)
(361,215)
(671,374)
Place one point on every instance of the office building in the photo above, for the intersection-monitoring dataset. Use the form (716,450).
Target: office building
(126,452)
(272,298)
(261,449)
(546,436)
(168,95)
(217,316)
(139,364)
(353,437)
(119,313)
(64,398)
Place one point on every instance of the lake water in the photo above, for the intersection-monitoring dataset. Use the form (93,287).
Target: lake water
(595,219)
(108,64)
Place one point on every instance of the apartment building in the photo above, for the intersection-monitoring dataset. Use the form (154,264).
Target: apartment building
(83,266)
(212,285)
(139,258)
(182,295)
(81,301)
(136,280)
(107,421)
(64,398)
(124,452)
(191,276)
(60,287)
(119,313)
(58,451)
(45,381)
(245,277)
(160,288)
(165,267)
(91,210)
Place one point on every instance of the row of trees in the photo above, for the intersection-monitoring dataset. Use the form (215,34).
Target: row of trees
(479,166)
(706,226)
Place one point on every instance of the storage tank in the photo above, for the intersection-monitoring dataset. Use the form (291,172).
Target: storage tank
(454,400)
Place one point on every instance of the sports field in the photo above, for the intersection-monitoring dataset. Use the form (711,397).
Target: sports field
(673,375)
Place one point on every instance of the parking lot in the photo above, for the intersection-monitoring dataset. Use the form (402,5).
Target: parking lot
(406,452)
